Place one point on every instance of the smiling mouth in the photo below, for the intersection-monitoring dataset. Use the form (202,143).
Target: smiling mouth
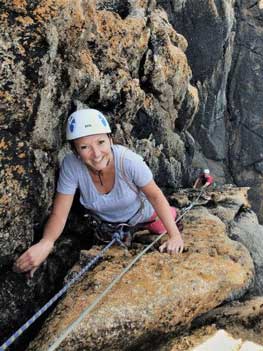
(98,161)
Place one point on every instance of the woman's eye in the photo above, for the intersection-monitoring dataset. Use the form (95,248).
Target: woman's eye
(101,142)
(84,147)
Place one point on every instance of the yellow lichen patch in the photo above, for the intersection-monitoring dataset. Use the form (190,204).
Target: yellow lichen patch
(3,144)
(26,21)
(16,169)
(4,200)
(49,9)
(6,96)
(20,4)
(22,155)
(85,58)
(121,33)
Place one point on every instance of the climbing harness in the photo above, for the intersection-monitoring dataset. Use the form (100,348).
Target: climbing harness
(117,237)
(104,230)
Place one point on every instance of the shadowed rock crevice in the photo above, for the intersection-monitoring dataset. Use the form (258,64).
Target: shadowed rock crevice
(122,8)
(228,80)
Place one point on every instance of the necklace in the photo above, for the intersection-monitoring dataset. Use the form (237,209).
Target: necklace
(99,173)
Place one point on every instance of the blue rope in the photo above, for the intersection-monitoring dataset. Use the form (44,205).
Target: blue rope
(74,324)
(117,237)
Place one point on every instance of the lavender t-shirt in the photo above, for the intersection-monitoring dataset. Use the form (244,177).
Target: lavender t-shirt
(124,202)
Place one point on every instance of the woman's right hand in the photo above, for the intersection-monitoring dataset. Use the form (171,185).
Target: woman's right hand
(32,258)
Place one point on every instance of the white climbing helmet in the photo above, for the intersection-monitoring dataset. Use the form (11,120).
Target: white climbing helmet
(86,122)
(206,171)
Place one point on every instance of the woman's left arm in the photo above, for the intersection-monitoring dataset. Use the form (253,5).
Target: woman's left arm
(159,202)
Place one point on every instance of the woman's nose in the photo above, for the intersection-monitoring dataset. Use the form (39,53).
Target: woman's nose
(96,152)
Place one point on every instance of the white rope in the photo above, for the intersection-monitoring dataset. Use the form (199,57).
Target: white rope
(74,324)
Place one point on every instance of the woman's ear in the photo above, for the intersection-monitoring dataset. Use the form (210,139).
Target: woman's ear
(110,138)
(73,148)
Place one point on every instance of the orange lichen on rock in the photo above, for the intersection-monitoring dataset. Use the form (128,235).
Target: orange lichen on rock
(4,144)
(20,4)
(48,9)
(122,34)
(160,292)
(26,21)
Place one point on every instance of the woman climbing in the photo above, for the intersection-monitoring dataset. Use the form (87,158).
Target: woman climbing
(204,179)
(114,183)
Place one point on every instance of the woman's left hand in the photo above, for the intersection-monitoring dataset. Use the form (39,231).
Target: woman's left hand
(173,245)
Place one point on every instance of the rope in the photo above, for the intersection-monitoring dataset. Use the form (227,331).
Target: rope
(117,237)
(74,324)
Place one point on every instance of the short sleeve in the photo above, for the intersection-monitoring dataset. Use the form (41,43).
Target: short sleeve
(209,179)
(68,180)
(137,170)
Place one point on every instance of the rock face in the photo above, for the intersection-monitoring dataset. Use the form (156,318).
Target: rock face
(160,295)
(246,102)
(241,230)
(241,320)
(128,60)
(224,52)
(210,56)
(122,57)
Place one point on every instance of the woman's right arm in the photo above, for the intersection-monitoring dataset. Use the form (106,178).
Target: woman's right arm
(31,259)
(197,183)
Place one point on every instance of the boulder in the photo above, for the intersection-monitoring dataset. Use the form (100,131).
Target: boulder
(160,295)
(249,232)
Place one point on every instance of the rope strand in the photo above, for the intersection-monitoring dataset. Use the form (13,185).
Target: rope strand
(88,309)
(117,238)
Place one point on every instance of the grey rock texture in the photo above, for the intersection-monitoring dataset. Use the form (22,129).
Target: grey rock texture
(209,29)
(249,232)
(245,102)
(225,54)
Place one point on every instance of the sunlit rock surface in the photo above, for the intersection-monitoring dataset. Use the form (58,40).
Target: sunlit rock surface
(126,59)
(159,295)
(121,57)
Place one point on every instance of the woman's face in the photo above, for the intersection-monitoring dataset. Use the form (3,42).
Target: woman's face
(94,150)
